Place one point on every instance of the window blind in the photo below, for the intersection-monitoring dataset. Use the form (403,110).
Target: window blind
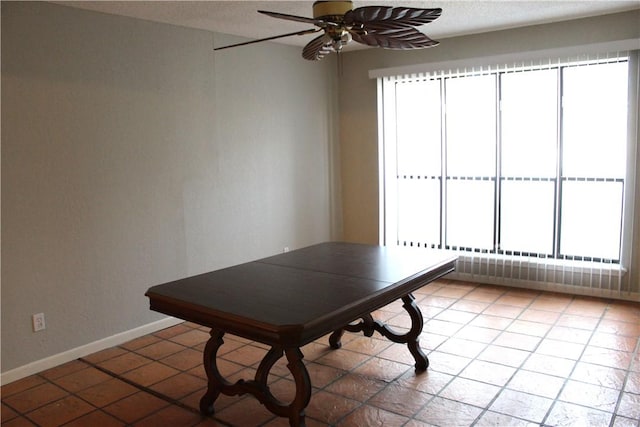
(419,107)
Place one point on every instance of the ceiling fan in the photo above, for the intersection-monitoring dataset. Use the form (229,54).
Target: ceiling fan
(378,26)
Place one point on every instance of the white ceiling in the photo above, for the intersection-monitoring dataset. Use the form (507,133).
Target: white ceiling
(458,17)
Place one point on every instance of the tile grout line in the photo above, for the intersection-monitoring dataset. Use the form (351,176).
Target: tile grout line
(387,383)
(150,391)
(436,395)
(567,378)
(485,409)
(624,383)
(51,381)
(24,414)
(369,358)
(454,377)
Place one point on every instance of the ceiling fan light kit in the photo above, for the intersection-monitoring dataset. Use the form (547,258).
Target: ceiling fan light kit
(386,27)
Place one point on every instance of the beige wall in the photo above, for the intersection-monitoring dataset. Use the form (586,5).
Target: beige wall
(133,155)
(358,109)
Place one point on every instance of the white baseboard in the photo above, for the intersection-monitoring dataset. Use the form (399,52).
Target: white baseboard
(84,350)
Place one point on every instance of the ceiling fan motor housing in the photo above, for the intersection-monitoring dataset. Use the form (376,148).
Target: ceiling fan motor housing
(331,9)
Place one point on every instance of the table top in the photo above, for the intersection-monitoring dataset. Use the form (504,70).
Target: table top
(293,298)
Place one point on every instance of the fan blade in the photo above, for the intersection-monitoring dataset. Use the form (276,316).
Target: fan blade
(404,38)
(297,33)
(291,17)
(317,48)
(387,17)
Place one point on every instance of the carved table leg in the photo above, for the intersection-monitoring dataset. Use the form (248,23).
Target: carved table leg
(335,340)
(413,336)
(367,325)
(215,380)
(258,387)
(303,387)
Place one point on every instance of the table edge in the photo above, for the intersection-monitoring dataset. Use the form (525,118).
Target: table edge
(296,334)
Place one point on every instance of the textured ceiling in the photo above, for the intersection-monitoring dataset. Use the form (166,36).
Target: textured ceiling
(458,17)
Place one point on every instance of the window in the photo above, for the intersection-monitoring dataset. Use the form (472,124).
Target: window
(521,161)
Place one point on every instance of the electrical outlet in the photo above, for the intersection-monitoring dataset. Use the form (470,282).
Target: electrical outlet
(286,249)
(38,322)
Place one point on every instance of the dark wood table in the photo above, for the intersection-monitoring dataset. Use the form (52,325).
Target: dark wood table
(289,300)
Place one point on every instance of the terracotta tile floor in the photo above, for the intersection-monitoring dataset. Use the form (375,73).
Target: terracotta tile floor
(499,356)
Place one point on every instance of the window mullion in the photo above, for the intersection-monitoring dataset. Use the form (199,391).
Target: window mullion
(498,177)
(557,232)
(443,163)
